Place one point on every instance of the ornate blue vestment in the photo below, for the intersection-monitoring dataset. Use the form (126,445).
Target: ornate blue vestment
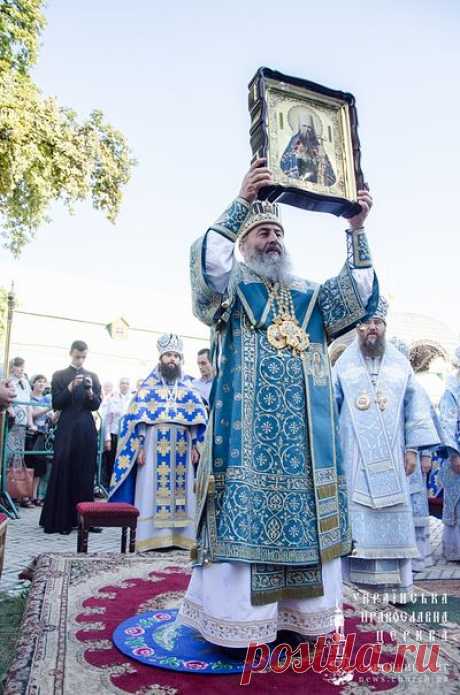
(377,424)
(449,410)
(154,405)
(270,484)
(377,482)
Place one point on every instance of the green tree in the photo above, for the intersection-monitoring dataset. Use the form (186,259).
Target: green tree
(21,22)
(46,152)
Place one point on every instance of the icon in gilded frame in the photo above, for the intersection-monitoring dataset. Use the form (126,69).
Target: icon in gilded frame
(308,133)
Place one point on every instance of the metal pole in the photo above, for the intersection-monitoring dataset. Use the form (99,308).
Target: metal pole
(8,329)
(100,453)
(4,496)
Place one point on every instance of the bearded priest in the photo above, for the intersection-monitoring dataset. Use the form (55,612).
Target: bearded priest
(158,450)
(385,424)
(272,518)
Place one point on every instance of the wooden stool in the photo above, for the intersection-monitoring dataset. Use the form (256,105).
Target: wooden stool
(108,515)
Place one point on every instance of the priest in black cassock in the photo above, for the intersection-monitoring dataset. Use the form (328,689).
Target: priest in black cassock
(75,393)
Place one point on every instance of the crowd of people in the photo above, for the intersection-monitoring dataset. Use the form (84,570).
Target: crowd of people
(67,423)
(30,422)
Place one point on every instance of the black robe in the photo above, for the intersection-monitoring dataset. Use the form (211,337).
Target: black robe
(75,451)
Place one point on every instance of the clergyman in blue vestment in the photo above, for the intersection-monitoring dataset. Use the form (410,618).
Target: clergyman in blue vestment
(449,410)
(272,518)
(385,421)
(417,480)
(158,445)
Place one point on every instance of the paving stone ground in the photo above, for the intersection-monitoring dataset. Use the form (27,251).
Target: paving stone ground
(441,569)
(25,540)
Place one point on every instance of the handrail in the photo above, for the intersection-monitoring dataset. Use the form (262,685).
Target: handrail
(8,505)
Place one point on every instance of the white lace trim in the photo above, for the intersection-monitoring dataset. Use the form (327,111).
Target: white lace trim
(229,633)
(311,624)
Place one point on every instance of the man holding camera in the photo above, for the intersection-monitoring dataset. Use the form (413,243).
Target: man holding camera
(76,393)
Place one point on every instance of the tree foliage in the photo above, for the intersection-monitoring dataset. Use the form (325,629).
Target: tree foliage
(21,22)
(46,152)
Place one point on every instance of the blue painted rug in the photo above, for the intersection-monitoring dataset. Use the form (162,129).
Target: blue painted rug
(155,639)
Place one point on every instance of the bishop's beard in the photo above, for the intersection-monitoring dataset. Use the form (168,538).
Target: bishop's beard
(170,372)
(273,267)
(372,349)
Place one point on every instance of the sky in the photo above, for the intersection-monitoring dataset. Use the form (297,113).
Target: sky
(173,78)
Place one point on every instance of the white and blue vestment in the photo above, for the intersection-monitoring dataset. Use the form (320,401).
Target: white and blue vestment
(396,416)
(272,516)
(419,489)
(418,485)
(167,420)
(449,410)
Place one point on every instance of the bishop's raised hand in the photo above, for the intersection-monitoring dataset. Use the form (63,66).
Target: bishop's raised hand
(256,178)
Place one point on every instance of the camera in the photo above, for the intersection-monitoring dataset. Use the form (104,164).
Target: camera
(87,383)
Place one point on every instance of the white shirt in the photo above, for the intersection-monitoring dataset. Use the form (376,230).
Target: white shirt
(23,393)
(203,386)
(220,258)
(117,406)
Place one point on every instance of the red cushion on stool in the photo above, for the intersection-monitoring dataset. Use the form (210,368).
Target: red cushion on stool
(107,514)
(112,508)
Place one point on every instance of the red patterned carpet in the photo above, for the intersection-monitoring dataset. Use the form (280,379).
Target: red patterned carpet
(76,601)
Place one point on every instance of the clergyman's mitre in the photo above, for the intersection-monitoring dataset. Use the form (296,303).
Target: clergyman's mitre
(261,211)
(170,342)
